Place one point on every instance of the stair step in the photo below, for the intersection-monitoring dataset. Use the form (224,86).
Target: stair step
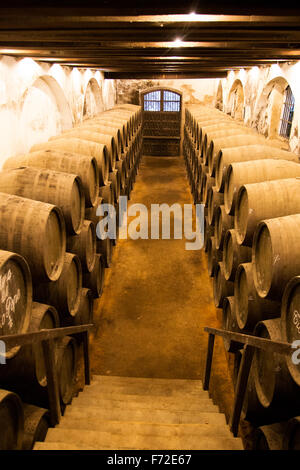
(154,403)
(59,446)
(145,415)
(111,394)
(105,440)
(146,389)
(144,429)
(175,383)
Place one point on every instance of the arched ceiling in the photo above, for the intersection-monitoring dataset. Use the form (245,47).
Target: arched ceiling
(127,39)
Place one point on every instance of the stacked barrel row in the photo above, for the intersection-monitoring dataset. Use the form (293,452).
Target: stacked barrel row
(53,258)
(250,189)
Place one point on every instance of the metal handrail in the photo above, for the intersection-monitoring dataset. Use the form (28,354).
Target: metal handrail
(250,344)
(47,337)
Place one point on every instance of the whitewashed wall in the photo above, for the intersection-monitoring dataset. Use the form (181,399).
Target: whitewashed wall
(39,99)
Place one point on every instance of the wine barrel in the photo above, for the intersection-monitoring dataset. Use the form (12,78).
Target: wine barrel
(290,323)
(25,373)
(250,308)
(269,437)
(121,167)
(208,232)
(276,258)
(291,435)
(232,141)
(36,424)
(122,124)
(228,130)
(95,279)
(103,146)
(234,254)
(213,256)
(274,386)
(82,147)
(35,230)
(85,167)
(84,245)
(267,200)
(63,294)
(250,165)
(229,323)
(60,189)
(214,200)
(67,357)
(105,127)
(115,181)
(84,316)
(101,130)
(106,192)
(12,421)
(16,297)
(207,183)
(104,247)
(223,222)
(221,287)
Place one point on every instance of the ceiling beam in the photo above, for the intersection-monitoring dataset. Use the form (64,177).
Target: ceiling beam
(161,76)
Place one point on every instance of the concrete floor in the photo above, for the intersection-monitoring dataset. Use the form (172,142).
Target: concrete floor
(158,298)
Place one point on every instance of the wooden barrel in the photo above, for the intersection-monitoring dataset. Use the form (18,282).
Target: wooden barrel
(234,254)
(250,308)
(214,200)
(207,183)
(35,230)
(290,323)
(95,279)
(105,127)
(208,232)
(276,258)
(36,424)
(85,167)
(223,222)
(84,316)
(221,287)
(218,145)
(226,130)
(121,167)
(267,200)
(291,436)
(63,294)
(84,245)
(104,247)
(25,373)
(12,421)
(213,256)
(122,124)
(16,297)
(269,437)
(115,181)
(104,130)
(82,147)
(102,146)
(67,357)
(60,189)
(106,193)
(229,323)
(274,386)
(256,169)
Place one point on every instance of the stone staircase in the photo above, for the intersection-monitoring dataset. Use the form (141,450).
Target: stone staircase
(140,413)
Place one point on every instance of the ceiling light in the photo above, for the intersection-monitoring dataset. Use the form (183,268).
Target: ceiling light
(178,42)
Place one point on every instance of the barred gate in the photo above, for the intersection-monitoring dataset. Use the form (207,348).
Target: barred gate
(161,122)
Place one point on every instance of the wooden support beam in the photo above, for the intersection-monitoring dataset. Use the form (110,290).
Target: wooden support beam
(209,356)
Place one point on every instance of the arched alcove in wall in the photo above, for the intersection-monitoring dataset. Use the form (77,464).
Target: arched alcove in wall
(236,100)
(219,98)
(93,103)
(268,110)
(45,112)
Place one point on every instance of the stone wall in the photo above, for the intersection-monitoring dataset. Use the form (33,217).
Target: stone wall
(39,99)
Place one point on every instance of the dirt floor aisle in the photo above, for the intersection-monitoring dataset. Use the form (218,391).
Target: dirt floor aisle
(158,298)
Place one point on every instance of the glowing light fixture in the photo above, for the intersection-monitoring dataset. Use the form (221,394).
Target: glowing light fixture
(178,42)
